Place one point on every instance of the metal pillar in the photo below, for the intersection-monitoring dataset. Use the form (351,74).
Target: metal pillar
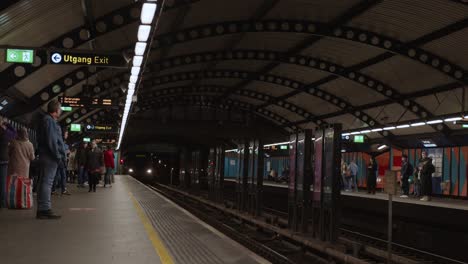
(219,174)
(326,189)
(212,174)
(292,188)
(255,177)
(242,176)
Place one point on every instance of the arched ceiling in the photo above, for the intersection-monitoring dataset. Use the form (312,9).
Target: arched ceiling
(295,63)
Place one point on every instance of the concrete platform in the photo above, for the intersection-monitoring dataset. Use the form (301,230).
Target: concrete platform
(128,223)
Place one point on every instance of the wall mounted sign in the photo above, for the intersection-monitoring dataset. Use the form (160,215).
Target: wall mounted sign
(19,56)
(87,59)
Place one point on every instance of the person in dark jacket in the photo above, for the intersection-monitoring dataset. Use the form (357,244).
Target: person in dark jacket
(94,165)
(51,153)
(7,134)
(81,156)
(426,169)
(61,175)
(372,169)
(406,171)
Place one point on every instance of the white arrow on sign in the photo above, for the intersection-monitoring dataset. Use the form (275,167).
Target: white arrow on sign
(12,56)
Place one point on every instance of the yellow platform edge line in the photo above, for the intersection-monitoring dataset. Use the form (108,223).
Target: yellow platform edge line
(158,245)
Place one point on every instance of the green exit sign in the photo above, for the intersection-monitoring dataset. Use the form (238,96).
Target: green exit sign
(358,139)
(75,127)
(19,56)
(66,108)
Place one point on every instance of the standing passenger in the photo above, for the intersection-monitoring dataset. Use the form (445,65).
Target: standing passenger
(406,171)
(61,176)
(353,171)
(426,176)
(7,134)
(81,156)
(372,175)
(51,153)
(109,162)
(71,166)
(94,164)
(21,153)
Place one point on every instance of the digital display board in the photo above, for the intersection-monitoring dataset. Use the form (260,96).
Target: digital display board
(75,127)
(85,102)
(19,56)
(359,139)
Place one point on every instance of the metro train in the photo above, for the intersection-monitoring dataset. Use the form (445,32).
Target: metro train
(141,166)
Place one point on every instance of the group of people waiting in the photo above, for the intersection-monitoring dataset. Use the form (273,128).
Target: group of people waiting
(422,176)
(57,163)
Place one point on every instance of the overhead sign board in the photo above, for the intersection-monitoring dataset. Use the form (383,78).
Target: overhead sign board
(19,56)
(100,128)
(359,139)
(75,127)
(87,59)
(85,102)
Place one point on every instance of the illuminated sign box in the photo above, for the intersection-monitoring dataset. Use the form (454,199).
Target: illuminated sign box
(86,140)
(284,147)
(358,139)
(100,128)
(76,57)
(66,108)
(19,56)
(75,128)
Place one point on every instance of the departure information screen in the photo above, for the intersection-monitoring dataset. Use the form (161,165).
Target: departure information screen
(85,102)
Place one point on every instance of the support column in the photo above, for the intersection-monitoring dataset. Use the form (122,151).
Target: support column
(242,176)
(219,174)
(292,188)
(255,177)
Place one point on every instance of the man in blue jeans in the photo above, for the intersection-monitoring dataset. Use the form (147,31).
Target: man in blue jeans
(51,153)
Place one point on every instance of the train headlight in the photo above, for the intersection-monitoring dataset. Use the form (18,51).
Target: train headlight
(149,171)
(130,170)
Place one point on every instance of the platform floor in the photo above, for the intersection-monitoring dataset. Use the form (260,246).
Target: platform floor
(128,223)
(435,201)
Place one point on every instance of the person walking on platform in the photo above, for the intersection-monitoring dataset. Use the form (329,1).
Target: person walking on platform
(71,166)
(352,179)
(7,134)
(94,164)
(81,156)
(426,170)
(21,153)
(372,169)
(406,171)
(61,176)
(51,153)
(110,165)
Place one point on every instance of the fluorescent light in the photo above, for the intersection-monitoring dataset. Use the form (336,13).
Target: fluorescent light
(147,13)
(140,48)
(430,145)
(365,131)
(389,128)
(403,126)
(355,133)
(465,117)
(382,147)
(133,79)
(231,150)
(345,134)
(376,129)
(277,144)
(453,119)
(131,86)
(418,124)
(435,121)
(143,32)
(137,60)
(135,70)
(343,150)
